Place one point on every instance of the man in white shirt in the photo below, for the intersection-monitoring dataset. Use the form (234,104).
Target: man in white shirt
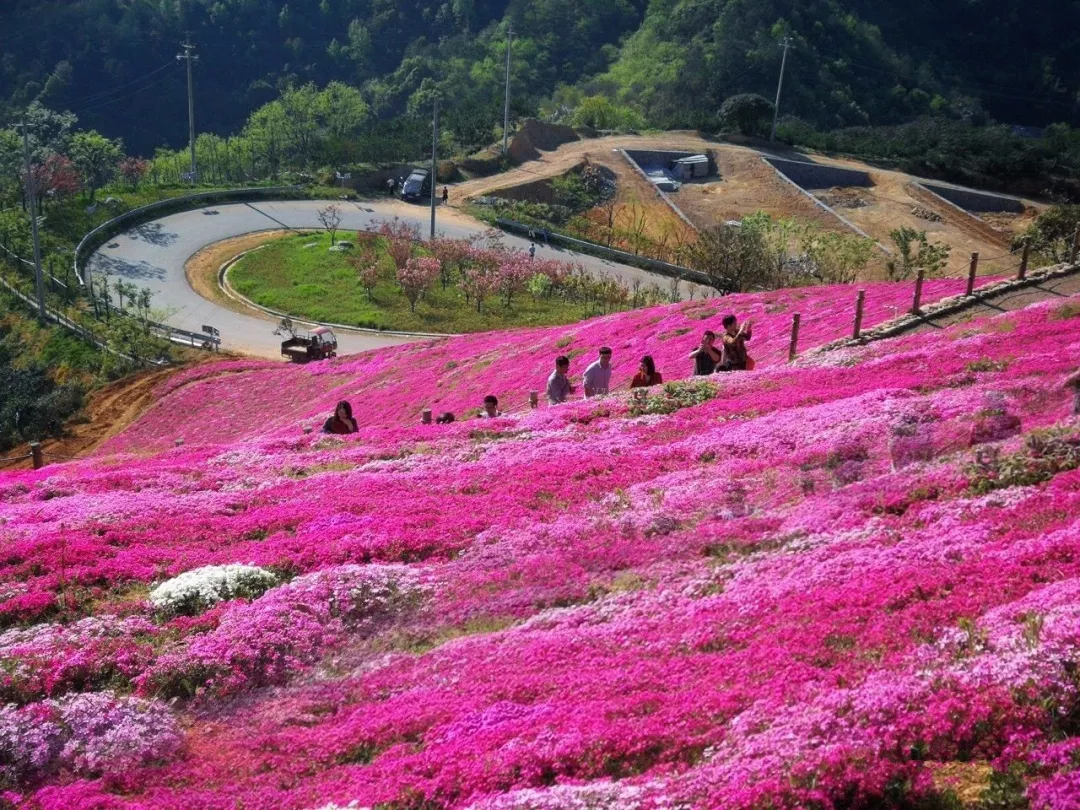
(597,378)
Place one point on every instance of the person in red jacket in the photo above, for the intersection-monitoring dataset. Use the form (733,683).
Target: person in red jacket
(647,374)
(342,422)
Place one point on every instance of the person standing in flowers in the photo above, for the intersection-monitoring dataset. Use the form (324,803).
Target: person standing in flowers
(597,378)
(491,407)
(735,356)
(647,374)
(706,357)
(559,388)
(342,422)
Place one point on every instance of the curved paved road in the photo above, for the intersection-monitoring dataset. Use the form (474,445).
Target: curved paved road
(153,255)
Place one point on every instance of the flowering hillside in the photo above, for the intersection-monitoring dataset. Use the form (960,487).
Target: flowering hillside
(391,387)
(853,582)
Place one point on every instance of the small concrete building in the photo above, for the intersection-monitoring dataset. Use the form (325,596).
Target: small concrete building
(687,168)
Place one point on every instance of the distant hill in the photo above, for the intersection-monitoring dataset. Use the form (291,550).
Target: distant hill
(669,63)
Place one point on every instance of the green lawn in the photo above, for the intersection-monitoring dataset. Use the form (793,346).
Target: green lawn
(314,283)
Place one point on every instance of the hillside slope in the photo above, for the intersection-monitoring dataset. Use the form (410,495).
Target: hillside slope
(852,582)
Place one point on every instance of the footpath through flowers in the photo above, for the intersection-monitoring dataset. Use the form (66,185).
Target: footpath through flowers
(850,582)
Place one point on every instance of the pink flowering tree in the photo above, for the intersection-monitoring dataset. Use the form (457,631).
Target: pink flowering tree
(453,254)
(56,179)
(400,237)
(480,274)
(514,273)
(133,169)
(367,273)
(416,276)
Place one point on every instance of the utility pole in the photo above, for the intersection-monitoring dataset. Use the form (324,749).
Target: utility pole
(434,162)
(780,86)
(31,198)
(189,57)
(506,105)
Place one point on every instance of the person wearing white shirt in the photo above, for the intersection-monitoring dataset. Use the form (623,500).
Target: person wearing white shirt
(597,378)
(491,407)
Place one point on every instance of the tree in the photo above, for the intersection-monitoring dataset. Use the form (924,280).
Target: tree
(734,257)
(400,237)
(837,257)
(747,113)
(1051,234)
(133,169)
(96,158)
(56,179)
(330,217)
(416,277)
(914,253)
(514,273)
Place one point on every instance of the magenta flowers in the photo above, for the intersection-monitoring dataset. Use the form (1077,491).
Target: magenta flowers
(852,581)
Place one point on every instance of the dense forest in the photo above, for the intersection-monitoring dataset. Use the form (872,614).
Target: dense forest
(664,63)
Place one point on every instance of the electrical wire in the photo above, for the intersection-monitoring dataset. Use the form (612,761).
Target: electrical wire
(167,77)
(117,88)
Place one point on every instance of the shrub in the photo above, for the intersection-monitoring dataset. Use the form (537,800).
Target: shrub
(1045,454)
(194,591)
(674,396)
(747,113)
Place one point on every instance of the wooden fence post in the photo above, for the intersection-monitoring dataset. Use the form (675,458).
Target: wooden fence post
(1024,260)
(971,273)
(534,399)
(1075,246)
(793,349)
(425,416)
(35,454)
(859,301)
(915,307)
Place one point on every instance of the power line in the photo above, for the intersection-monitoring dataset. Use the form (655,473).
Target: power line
(80,110)
(117,88)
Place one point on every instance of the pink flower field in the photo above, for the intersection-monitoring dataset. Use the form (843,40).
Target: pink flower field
(848,582)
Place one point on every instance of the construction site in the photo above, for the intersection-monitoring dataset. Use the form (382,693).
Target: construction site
(657,206)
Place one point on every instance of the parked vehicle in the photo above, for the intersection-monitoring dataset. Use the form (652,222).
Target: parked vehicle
(417,186)
(318,344)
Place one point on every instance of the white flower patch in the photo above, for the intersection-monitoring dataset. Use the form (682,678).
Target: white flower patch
(195,591)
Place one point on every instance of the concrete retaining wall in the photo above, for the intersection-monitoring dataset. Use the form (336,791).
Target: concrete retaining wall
(103,233)
(977,201)
(661,194)
(604,252)
(815,175)
(810,196)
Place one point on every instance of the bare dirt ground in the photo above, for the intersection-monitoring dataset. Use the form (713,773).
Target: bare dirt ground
(202,268)
(747,185)
(108,411)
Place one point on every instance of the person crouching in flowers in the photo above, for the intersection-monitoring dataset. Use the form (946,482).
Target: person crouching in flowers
(342,422)
(647,374)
